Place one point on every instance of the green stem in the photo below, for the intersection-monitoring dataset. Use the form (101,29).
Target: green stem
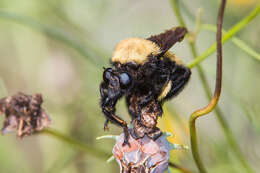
(77,144)
(232,141)
(238,42)
(224,125)
(55,34)
(192,47)
(176,10)
(194,147)
(91,150)
(208,27)
(231,32)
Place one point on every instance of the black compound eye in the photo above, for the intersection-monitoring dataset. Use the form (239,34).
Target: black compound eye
(125,80)
(107,74)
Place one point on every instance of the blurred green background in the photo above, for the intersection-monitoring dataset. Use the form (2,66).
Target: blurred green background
(35,58)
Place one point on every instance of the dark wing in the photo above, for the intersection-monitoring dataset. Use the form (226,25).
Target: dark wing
(167,39)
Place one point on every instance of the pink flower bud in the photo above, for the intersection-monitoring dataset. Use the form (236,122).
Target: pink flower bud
(143,156)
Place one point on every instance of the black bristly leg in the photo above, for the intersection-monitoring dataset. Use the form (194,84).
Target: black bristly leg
(106,128)
(108,108)
(117,121)
(103,96)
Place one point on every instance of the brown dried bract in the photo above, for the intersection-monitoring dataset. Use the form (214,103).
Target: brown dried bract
(24,114)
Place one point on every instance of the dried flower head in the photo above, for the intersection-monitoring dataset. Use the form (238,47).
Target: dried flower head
(24,114)
(143,156)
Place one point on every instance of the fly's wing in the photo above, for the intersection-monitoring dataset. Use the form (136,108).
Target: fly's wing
(167,39)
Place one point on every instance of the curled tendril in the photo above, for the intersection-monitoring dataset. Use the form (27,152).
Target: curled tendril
(214,100)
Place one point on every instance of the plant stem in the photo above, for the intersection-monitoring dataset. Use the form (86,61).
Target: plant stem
(89,149)
(224,125)
(176,10)
(239,43)
(231,32)
(201,74)
(208,27)
(76,143)
(228,133)
(220,116)
(214,100)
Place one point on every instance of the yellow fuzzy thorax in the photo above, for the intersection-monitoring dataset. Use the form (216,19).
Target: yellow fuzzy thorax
(134,50)
(137,50)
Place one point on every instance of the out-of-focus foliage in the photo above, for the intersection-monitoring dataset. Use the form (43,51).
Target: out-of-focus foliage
(34,62)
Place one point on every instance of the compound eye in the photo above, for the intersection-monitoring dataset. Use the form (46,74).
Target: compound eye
(125,80)
(107,74)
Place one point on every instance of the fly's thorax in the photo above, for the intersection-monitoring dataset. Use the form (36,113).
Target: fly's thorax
(135,50)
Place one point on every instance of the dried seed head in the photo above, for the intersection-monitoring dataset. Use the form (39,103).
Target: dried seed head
(143,156)
(24,114)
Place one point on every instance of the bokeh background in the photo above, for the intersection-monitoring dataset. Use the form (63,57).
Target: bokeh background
(35,58)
